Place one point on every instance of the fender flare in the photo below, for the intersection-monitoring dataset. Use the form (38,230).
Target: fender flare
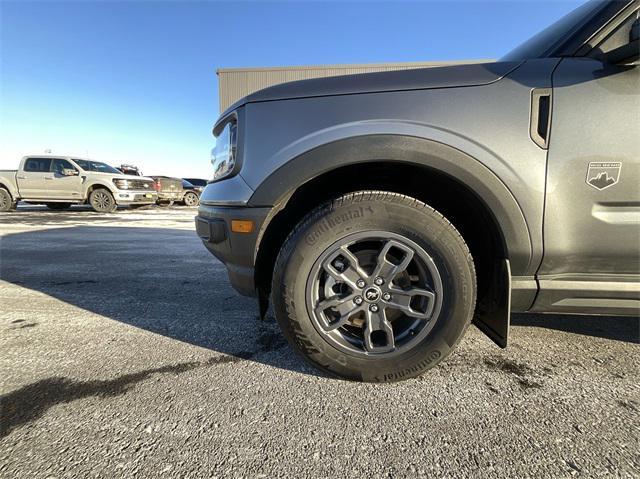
(93,183)
(280,185)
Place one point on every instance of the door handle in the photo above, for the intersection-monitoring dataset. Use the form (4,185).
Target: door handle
(48,177)
(540,121)
(21,177)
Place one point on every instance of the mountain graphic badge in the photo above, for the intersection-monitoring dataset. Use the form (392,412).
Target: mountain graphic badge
(602,175)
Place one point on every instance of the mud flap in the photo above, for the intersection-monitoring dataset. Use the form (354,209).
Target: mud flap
(494,314)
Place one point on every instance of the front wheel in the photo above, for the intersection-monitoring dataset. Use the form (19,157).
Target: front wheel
(374,286)
(102,201)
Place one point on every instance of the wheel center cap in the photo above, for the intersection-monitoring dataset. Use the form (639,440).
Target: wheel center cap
(372,294)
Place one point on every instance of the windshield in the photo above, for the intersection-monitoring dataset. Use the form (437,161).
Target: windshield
(96,166)
(553,36)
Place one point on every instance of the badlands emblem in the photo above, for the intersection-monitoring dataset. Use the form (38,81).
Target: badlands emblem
(603,175)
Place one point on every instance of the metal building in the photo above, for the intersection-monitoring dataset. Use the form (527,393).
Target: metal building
(235,83)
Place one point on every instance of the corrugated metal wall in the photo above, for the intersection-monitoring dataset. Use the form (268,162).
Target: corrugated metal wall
(235,83)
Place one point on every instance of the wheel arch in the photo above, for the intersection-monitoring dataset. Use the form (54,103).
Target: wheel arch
(99,184)
(433,172)
(12,192)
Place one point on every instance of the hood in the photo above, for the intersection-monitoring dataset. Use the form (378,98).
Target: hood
(474,74)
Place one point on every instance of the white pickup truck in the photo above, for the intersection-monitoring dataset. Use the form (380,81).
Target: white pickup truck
(61,181)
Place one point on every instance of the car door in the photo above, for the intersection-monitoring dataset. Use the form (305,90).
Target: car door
(35,177)
(592,212)
(64,185)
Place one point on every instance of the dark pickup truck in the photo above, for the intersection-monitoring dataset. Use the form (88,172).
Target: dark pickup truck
(169,189)
(384,213)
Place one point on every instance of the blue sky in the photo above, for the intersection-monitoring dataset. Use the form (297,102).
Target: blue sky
(134,82)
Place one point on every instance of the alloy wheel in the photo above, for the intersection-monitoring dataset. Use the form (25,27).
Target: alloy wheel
(374,293)
(101,200)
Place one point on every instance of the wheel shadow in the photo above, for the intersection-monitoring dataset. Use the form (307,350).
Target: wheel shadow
(158,279)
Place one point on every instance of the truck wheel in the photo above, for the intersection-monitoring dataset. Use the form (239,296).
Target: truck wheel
(374,286)
(165,203)
(102,201)
(190,199)
(58,206)
(6,202)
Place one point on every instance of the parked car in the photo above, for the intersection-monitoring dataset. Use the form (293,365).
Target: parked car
(169,190)
(191,193)
(384,212)
(130,170)
(61,181)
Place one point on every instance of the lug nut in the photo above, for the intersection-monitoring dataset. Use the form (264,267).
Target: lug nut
(360,283)
(373,308)
(386,296)
(357,300)
(378,281)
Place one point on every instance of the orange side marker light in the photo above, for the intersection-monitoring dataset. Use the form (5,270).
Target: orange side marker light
(241,226)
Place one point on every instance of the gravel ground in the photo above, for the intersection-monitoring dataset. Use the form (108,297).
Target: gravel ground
(125,352)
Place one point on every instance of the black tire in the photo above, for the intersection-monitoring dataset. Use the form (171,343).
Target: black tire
(191,199)
(58,206)
(164,204)
(6,201)
(102,201)
(406,221)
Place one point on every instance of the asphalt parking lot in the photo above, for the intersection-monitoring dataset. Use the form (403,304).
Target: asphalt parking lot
(125,353)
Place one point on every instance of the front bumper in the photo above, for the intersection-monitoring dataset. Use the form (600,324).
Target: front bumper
(128,197)
(236,250)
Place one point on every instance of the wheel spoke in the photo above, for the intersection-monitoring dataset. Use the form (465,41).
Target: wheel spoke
(344,306)
(385,268)
(351,272)
(378,334)
(402,299)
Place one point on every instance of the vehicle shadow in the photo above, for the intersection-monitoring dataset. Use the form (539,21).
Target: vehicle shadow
(158,279)
(164,281)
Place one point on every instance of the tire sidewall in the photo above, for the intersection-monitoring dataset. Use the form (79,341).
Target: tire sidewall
(189,195)
(114,205)
(383,212)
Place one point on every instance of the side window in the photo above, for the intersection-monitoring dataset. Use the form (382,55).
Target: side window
(618,38)
(38,165)
(60,165)
(84,164)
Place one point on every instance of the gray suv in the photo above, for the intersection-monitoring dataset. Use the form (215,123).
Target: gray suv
(384,213)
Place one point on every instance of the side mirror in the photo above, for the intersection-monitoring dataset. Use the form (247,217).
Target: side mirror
(70,172)
(630,52)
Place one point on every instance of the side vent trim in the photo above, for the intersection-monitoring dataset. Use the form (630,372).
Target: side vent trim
(540,122)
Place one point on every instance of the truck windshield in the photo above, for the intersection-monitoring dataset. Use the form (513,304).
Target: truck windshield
(96,166)
(543,43)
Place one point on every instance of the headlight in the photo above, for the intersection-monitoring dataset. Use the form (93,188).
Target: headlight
(223,154)
(121,184)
